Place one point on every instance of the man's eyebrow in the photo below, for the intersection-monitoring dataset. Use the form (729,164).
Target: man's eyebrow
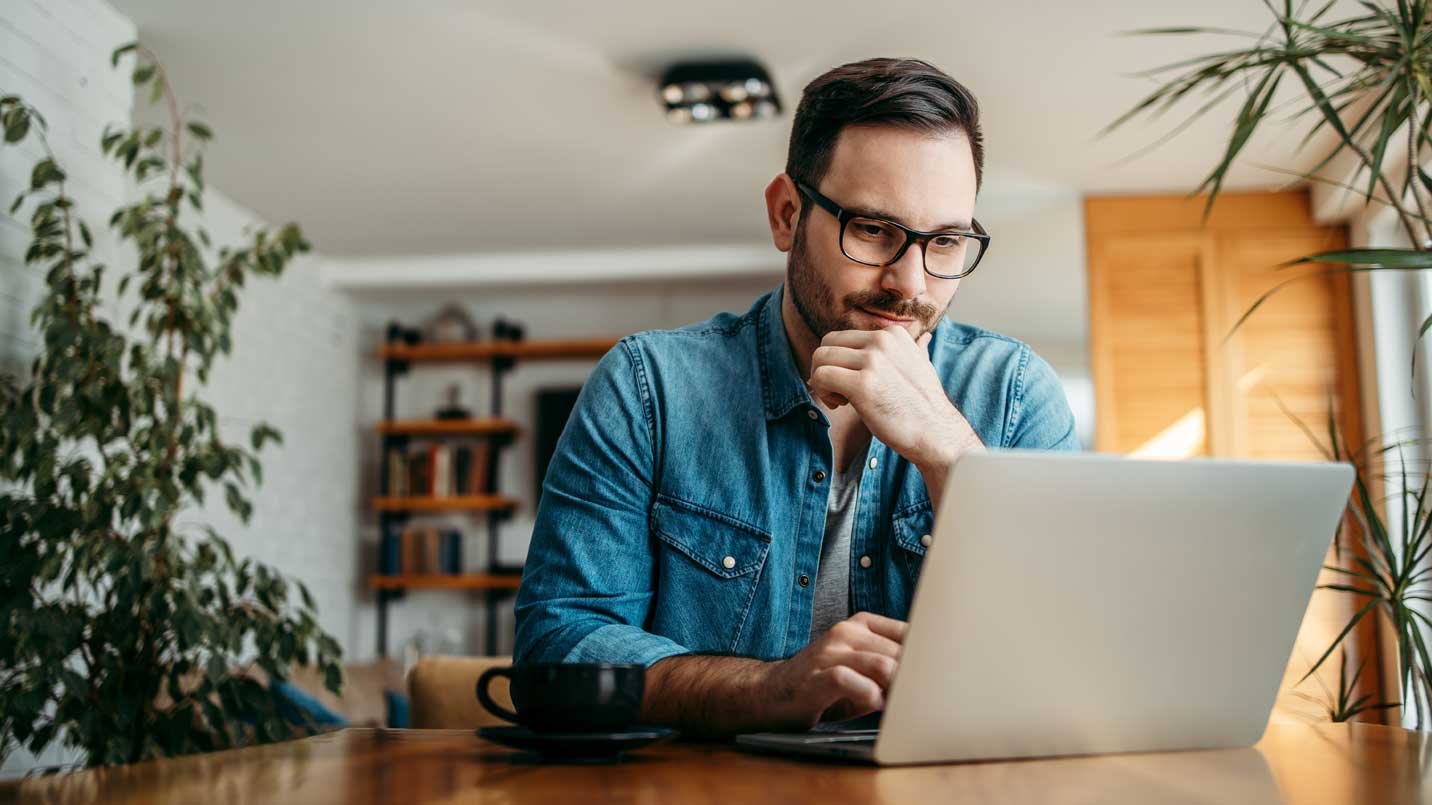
(874,212)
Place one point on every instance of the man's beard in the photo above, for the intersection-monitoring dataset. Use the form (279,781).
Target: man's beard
(815,302)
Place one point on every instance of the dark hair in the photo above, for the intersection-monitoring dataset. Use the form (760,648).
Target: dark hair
(905,93)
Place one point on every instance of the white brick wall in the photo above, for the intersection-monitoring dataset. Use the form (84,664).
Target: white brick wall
(295,357)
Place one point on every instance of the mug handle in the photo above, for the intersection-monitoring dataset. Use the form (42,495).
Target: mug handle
(486,700)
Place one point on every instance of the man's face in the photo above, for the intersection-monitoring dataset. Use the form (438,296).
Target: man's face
(912,178)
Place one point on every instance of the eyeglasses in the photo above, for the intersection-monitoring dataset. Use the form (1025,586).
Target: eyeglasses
(878,242)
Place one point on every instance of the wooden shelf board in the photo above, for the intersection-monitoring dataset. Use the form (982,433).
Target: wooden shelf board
(454,503)
(447,427)
(574,348)
(466,581)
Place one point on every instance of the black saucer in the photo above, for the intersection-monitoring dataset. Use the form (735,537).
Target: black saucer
(576,746)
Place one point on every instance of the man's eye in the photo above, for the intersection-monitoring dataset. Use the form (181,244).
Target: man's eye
(946,241)
(871,230)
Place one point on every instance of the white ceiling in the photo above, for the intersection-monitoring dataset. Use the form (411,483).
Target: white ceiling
(447,127)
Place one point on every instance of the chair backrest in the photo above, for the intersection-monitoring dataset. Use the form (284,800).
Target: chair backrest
(443,692)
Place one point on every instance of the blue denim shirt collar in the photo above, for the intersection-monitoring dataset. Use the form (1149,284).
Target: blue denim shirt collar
(782,387)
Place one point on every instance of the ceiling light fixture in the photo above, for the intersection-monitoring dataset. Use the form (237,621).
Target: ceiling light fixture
(702,92)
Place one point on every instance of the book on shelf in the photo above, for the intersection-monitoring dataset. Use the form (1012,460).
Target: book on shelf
(390,551)
(442,471)
(420,551)
(439,469)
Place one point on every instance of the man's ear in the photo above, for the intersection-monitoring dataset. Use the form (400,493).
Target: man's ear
(783,209)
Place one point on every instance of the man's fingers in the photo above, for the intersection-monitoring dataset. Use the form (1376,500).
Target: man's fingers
(878,668)
(848,694)
(883,626)
(866,640)
(835,355)
(853,339)
(835,379)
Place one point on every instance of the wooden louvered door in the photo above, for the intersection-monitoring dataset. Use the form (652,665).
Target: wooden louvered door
(1172,381)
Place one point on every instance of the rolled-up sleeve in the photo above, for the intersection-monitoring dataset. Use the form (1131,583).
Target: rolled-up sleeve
(589,580)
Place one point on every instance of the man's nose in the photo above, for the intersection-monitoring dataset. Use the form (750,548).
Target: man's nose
(906,276)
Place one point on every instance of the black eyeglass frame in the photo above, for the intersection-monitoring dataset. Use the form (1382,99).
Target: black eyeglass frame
(844,217)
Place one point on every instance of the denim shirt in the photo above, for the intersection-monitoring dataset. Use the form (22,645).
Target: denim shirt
(686,499)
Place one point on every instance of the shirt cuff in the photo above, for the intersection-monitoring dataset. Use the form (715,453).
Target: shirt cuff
(620,643)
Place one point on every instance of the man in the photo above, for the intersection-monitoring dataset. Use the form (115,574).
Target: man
(725,495)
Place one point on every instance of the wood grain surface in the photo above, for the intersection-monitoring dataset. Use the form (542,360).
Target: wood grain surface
(1330,763)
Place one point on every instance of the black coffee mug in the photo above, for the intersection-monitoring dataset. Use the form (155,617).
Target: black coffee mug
(569,697)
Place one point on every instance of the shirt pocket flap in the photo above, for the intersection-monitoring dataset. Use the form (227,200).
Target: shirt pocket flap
(722,545)
(911,527)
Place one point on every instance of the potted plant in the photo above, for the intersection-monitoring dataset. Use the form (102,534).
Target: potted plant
(123,632)
(1368,79)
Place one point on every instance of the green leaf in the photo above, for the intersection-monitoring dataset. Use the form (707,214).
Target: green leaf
(200,130)
(1385,258)
(1341,635)
(142,74)
(17,127)
(120,51)
(45,172)
(262,433)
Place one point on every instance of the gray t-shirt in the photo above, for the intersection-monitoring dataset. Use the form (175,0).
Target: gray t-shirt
(832,580)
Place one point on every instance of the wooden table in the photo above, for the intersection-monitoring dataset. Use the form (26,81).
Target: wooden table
(1333,763)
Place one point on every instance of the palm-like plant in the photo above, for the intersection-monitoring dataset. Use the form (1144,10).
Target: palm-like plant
(1368,79)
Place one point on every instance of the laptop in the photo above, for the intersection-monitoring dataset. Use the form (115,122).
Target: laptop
(1076,604)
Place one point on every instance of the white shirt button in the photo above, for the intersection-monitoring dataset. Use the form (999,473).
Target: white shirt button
(865,561)
(873,462)
(810,412)
(729,562)
(926,540)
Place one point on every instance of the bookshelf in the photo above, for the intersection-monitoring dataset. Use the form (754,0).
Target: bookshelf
(451,503)
(477,426)
(465,581)
(487,504)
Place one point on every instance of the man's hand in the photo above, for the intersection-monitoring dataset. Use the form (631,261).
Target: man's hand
(887,376)
(844,674)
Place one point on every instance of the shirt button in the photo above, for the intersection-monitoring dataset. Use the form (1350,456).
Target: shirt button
(729,562)
(804,580)
(810,412)
(873,462)
(865,561)
(818,476)
(926,540)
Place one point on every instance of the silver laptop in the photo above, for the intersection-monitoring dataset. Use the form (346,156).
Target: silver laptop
(1077,604)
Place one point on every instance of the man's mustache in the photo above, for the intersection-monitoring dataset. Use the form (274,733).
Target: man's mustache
(884,303)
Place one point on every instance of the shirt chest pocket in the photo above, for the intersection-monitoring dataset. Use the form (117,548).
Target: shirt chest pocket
(911,533)
(708,570)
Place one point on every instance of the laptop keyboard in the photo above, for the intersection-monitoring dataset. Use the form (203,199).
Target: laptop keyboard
(853,736)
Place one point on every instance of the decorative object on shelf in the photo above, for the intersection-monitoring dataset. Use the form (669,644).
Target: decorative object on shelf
(504,330)
(398,334)
(453,409)
(451,325)
(127,626)
(706,91)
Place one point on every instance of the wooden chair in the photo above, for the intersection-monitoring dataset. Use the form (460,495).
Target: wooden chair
(443,692)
